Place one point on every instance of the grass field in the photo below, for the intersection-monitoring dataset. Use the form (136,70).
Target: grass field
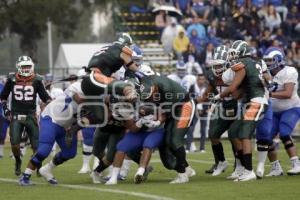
(75,186)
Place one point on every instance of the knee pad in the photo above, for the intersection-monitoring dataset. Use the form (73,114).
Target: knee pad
(58,159)
(37,160)
(263,145)
(287,141)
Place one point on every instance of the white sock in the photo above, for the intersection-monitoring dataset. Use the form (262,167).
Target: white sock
(28,171)
(261,157)
(238,163)
(86,158)
(114,174)
(294,160)
(51,165)
(141,170)
(96,163)
(125,167)
(1,149)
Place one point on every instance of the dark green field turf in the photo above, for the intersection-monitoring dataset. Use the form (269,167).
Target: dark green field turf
(203,186)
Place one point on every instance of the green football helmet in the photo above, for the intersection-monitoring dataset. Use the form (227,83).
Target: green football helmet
(219,62)
(238,49)
(25,66)
(125,39)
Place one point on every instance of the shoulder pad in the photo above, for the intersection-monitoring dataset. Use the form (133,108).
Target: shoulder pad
(39,77)
(238,66)
(12,76)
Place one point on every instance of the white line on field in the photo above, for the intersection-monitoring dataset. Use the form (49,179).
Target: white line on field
(116,191)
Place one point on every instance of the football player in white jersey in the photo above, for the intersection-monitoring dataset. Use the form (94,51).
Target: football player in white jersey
(56,118)
(286,108)
(181,76)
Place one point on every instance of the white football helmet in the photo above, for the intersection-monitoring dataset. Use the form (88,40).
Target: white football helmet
(25,66)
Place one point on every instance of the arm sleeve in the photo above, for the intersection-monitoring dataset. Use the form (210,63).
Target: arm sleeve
(43,94)
(6,90)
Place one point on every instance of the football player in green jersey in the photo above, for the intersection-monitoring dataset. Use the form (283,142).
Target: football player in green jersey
(24,86)
(224,113)
(248,76)
(177,111)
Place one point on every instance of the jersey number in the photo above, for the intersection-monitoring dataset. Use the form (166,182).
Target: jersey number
(23,92)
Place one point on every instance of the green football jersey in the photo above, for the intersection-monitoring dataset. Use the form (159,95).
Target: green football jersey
(108,59)
(252,84)
(169,90)
(23,93)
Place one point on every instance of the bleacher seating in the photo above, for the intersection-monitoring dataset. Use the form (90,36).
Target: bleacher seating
(141,27)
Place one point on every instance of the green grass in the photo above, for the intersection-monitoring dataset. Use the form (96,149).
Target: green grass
(202,186)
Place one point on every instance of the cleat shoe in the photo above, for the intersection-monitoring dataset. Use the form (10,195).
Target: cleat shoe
(25,180)
(18,165)
(211,170)
(111,182)
(84,170)
(247,175)
(46,172)
(96,177)
(260,170)
(236,173)
(181,178)
(295,170)
(276,169)
(138,178)
(221,167)
(190,171)
(53,181)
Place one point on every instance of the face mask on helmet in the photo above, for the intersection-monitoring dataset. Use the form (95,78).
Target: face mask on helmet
(272,62)
(218,67)
(25,66)
(138,60)
(273,58)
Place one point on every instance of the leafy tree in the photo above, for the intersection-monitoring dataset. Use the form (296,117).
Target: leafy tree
(28,19)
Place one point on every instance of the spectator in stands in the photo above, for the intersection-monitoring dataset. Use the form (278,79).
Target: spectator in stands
(161,21)
(265,39)
(272,18)
(254,13)
(258,3)
(192,66)
(197,90)
(212,33)
(169,34)
(209,53)
(253,29)
(180,44)
(183,5)
(290,58)
(198,43)
(200,10)
(292,23)
(281,38)
(199,56)
(217,8)
(240,26)
(280,7)
(223,29)
(198,27)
